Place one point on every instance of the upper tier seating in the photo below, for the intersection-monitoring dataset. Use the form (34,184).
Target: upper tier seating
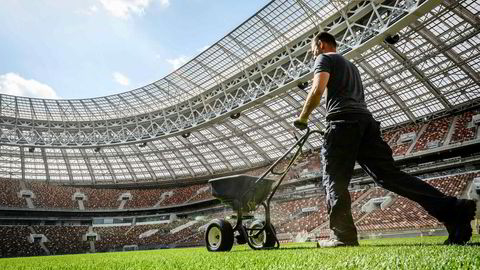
(400,148)
(436,131)
(462,132)
(52,196)
(61,197)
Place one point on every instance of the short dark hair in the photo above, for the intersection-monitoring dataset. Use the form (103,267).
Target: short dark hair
(327,38)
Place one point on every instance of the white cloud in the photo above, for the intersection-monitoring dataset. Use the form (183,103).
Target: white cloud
(91,10)
(178,62)
(164,3)
(124,8)
(182,59)
(203,48)
(121,79)
(14,84)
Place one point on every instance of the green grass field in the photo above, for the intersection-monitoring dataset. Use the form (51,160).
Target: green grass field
(411,253)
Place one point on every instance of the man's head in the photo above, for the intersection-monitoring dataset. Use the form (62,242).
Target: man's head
(322,43)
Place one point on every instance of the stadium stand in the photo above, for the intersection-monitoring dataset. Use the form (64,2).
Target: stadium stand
(462,130)
(102,198)
(388,135)
(434,134)
(144,198)
(400,147)
(64,239)
(292,218)
(182,195)
(14,242)
(52,196)
(112,238)
(371,193)
(404,214)
(9,197)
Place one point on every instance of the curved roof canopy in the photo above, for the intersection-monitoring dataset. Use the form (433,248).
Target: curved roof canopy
(255,69)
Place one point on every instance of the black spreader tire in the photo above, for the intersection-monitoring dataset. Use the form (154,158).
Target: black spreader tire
(268,236)
(219,236)
(271,239)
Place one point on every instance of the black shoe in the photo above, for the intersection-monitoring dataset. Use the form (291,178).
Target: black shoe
(335,243)
(460,230)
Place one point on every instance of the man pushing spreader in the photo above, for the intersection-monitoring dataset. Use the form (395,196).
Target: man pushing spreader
(353,134)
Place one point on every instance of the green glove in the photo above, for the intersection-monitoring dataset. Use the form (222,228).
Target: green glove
(300,123)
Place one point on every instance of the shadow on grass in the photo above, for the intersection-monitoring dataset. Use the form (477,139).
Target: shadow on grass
(475,244)
(281,248)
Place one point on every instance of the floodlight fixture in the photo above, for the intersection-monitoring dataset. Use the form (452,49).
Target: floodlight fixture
(302,85)
(392,39)
(235,115)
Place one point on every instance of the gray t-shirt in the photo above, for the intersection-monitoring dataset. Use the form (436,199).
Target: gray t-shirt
(344,89)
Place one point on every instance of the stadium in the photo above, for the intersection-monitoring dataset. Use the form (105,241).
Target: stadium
(123,180)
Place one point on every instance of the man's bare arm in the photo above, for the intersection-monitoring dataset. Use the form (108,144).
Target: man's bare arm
(319,84)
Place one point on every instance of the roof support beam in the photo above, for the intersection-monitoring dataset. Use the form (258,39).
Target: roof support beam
(320,108)
(108,165)
(275,32)
(231,145)
(248,140)
(214,150)
(126,162)
(144,161)
(449,53)
(285,125)
(162,159)
(170,82)
(420,76)
(310,14)
(262,131)
(390,92)
(180,157)
(67,164)
(45,163)
(104,113)
(459,10)
(245,47)
(197,154)
(203,90)
(220,77)
(128,107)
(22,163)
(47,109)
(88,164)
(99,117)
(234,57)
(75,109)
(132,108)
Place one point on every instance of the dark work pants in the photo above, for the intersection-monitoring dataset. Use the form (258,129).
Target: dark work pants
(356,137)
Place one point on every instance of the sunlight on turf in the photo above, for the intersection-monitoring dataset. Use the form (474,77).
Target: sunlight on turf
(399,253)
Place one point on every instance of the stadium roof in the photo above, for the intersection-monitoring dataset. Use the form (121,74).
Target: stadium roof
(255,69)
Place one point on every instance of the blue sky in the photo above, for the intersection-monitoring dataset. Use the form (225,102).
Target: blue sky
(90,48)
